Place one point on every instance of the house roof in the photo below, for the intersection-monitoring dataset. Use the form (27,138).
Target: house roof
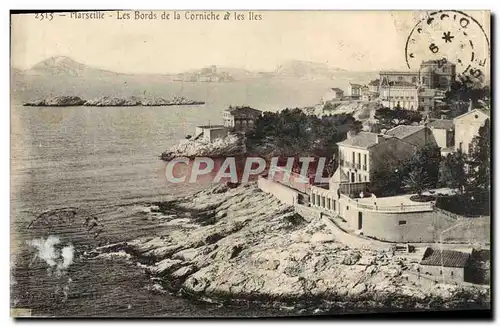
(444,258)
(374,82)
(355,85)
(403,131)
(484,111)
(336,89)
(235,111)
(211,126)
(398,72)
(361,140)
(442,124)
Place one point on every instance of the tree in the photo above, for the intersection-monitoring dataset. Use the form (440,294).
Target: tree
(452,172)
(464,90)
(428,159)
(389,118)
(480,159)
(417,181)
(293,133)
(387,181)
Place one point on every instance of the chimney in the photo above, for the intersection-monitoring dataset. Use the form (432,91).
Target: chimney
(470,105)
(380,138)
(351,134)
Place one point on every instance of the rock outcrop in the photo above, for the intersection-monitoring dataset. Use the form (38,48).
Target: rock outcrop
(57,101)
(250,246)
(106,101)
(232,145)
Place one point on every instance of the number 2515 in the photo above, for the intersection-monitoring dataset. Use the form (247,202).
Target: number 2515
(46,15)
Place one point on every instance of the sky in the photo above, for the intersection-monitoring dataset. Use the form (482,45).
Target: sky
(355,41)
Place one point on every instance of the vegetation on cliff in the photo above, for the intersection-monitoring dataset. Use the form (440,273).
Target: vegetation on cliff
(293,133)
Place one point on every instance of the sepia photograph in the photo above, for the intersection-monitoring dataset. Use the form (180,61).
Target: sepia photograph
(250,163)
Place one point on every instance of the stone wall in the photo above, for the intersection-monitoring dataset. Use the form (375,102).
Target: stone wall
(307,213)
(283,193)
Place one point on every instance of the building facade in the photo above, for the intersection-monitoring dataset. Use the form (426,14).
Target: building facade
(354,90)
(401,94)
(443,131)
(211,133)
(436,74)
(445,265)
(360,154)
(389,76)
(467,127)
(240,119)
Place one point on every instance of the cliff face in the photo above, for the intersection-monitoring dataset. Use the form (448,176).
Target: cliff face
(250,246)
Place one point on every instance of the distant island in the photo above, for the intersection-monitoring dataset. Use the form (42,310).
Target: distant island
(105,101)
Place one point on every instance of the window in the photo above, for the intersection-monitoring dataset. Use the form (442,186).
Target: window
(347,208)
(359,160)
(413,79)
(353,158)
(402,222)
(365,179)
(400,78)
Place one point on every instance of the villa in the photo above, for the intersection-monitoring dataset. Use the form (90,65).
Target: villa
(240,119)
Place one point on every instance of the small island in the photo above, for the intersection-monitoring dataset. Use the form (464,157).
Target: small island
(106,101)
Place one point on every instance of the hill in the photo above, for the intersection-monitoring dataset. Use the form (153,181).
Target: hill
(65,66)
(306,70)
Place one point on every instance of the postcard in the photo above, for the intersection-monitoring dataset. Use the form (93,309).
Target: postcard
(208,163)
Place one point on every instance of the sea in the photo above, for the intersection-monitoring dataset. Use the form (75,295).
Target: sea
(103,163)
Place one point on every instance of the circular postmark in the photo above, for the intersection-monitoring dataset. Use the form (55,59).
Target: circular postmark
(449,36)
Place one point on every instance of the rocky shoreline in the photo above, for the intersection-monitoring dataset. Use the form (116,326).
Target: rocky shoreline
(69,101)
(247,246)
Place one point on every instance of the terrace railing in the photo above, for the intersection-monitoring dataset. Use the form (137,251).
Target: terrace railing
(427,206)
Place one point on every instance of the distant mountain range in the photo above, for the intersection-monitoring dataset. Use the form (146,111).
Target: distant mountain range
(65,66)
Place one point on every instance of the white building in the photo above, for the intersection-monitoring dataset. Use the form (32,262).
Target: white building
(211,133)
(399,94)
(354,90)
(467,127)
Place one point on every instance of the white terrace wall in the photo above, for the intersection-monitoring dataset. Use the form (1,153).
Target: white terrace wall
(423,226)
(283,193)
